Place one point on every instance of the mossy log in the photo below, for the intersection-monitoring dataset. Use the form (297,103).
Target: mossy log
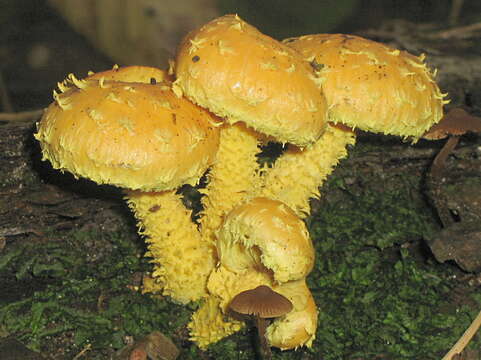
(34,197)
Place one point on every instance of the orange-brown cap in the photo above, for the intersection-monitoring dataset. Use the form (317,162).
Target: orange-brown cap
(262,302)
(133,135)
(456,122)
(371,86)
(234,70)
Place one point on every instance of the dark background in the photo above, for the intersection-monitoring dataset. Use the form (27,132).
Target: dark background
(38,48)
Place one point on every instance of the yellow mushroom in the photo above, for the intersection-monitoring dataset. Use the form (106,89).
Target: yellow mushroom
(259,86)
(148,141)
(261,242)
(368,86)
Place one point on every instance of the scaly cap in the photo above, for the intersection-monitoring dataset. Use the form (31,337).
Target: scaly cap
(266,233)
(371,86)
(235,71)
(133,135)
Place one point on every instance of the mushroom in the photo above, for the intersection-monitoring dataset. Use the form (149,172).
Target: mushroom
(148,141)
(259,86)
(261,242)
(453,125)
(261,303)
(368,86)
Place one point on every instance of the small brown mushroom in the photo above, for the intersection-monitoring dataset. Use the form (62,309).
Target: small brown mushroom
(454,124)
(261,303)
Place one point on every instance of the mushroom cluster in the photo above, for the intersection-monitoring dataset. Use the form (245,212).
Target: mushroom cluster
(231,89)
(262,88)
(261,242)
(368,86)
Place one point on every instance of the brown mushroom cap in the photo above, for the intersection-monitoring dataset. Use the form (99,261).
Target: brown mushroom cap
(261,301)
(456,122)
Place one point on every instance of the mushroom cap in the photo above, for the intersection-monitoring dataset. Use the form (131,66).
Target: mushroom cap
(235,71)
(298,327)
(266,234)
(261,301)
(134,73)
(456,122)
(133,135)
(371,86)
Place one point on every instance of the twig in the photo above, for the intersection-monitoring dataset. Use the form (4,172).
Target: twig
(458,32)
(464,339)
(24,116)
(88,347)
(12,231)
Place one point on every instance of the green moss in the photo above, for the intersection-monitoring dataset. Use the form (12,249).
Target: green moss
(377,289)
(81,295)
(376,294)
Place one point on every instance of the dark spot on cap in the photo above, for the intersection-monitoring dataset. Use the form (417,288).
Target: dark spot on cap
(154,208)
(316,66)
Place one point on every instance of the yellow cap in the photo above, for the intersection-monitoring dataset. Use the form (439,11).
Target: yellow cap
(371,86)
(266,233)
(297,328)
(134,73)
(132,135)
(237,72)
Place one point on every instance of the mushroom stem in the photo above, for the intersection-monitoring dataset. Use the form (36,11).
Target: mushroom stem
(261,325)
(440,160)
(297,175)
(434,182)
(232,176)
(209,324)
(182,262)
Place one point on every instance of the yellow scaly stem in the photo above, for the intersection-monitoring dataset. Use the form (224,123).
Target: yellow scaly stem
(231,178)
(209,325)
(297,175)
(182,261)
